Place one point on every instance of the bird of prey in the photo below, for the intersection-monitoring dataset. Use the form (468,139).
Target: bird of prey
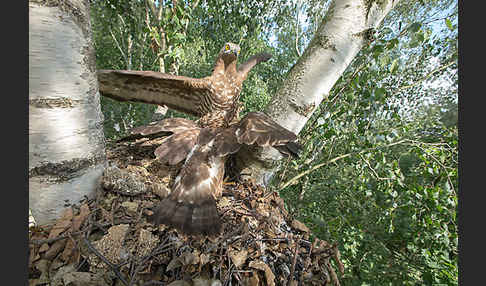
(214,98)
(202,145)
(191,204)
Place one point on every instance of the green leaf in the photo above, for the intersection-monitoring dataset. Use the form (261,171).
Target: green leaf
(385,60)
(377,50)
(449,24)
(394,66)
(420,37)
(415,27)
(380,92)
(392,43)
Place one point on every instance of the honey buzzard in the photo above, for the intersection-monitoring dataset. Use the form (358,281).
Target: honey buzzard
(191,204)
(214,98)
(205,144)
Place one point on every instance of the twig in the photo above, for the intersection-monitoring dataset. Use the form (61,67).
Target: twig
(153,282)
(156,251)
(373,170)
(282,186)
(334,277)
(292,270)
(49,240)
(427,76)
(118,46)
(113,267)
(228,235)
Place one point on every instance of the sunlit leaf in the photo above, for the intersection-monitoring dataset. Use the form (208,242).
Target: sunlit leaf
(449,24)
(394,66)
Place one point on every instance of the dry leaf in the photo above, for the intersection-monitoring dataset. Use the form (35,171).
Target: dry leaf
(299,226)
(130,207)
(294,283)
(33,257)
(223,202)
(111,246)
(55,249)
(269,276)
(254,280)
(188,258)
(238,257)
(68,250)
(43,267)
(179,283)
(173,264)
(203,259)
(337,258)
(44,247)
(79,219)
(146,242)
(62,224)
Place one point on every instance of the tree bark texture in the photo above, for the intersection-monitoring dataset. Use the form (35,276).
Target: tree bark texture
(66,140)
(339,38)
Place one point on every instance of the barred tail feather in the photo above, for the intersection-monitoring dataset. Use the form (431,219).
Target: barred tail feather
(191,206)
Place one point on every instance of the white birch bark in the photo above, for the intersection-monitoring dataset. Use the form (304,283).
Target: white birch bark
(339,38)
(66,141)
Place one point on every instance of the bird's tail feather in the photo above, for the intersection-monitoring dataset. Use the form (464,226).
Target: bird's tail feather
(197,218)
(191,206)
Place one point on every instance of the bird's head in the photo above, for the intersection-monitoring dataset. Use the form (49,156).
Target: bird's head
(230,52)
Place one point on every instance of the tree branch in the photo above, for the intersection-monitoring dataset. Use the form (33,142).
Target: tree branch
(282,186)
(427,76)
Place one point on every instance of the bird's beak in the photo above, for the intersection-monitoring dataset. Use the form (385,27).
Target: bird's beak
(236,53)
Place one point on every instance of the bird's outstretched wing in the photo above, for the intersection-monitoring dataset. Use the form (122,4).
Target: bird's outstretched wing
(176,147)
(174,125)
(257,128)
(182,135)
(180,93)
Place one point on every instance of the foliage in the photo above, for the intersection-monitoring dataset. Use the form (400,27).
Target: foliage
(184,40)
(389,125)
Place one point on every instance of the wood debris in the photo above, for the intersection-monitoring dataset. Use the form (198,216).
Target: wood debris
(108,239)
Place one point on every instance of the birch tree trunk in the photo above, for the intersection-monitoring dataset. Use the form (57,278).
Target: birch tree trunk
(339,38)
(66,140)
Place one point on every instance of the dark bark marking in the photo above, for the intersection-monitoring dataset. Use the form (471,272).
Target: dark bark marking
(303,109)
(61,102)
(65,170)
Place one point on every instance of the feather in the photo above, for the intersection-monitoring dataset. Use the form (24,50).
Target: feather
(192,202)
(176,147)
(174,125)
(180,93)
(258,128)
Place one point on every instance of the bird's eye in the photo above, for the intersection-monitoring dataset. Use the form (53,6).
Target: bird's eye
(227,47)
(238,52)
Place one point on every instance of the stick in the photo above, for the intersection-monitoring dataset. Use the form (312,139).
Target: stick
(292,270)
(113,267)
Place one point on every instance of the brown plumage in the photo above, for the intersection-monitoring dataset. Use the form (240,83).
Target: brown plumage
(191,205)
(205,144)
(213,98)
